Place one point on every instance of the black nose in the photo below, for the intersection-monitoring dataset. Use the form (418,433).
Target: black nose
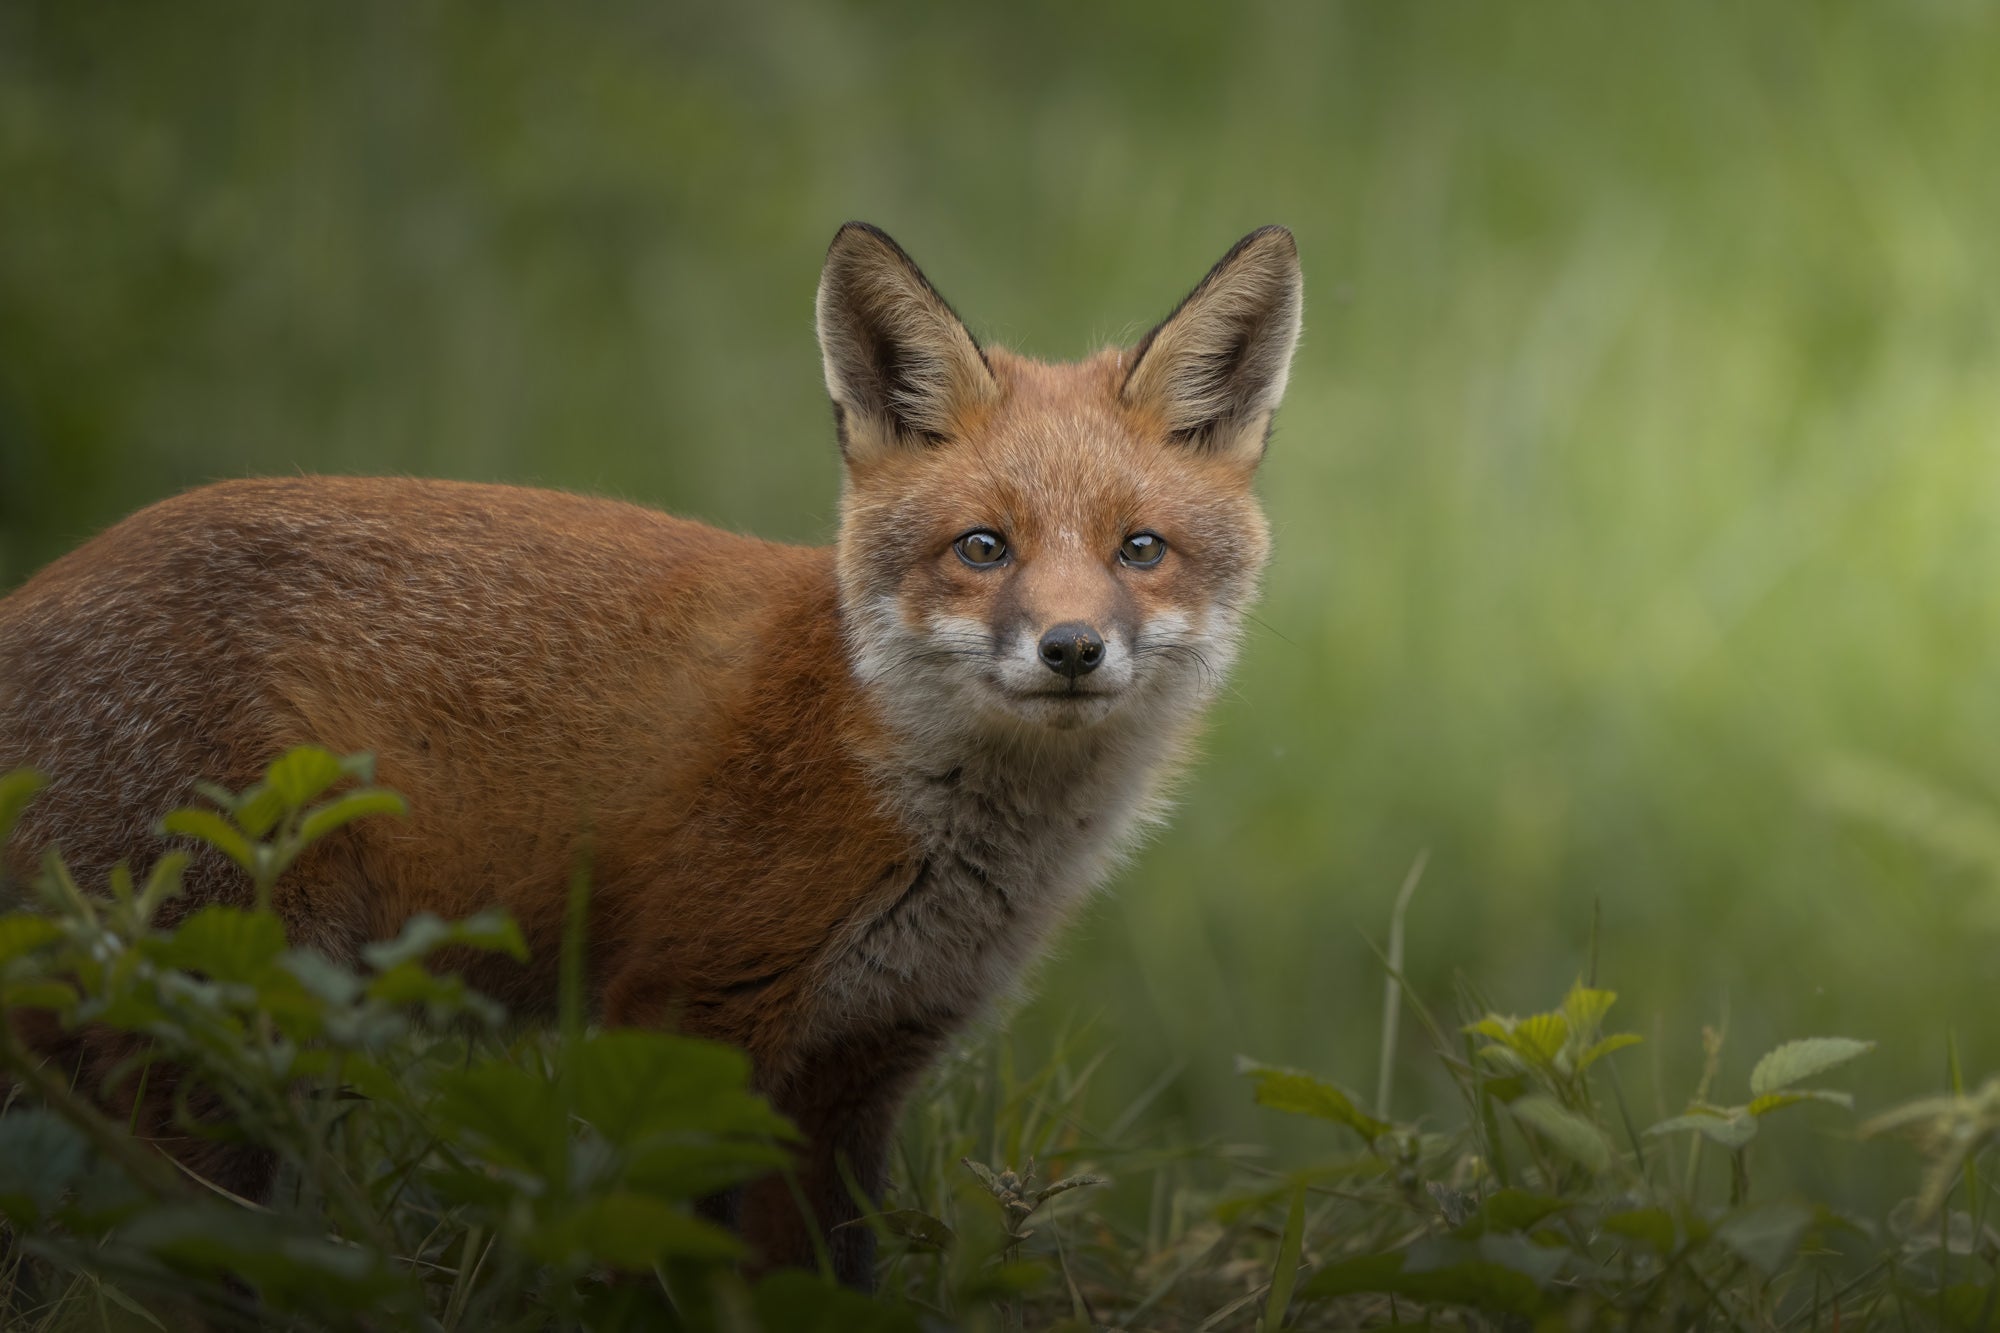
(1072,649)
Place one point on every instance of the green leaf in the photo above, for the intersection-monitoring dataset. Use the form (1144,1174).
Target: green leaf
(257,811)
(346,809)
(223,944)
(39,993)
(804,1303)
(1766,1235)
(631,1084)
(163,883)
(16,790)
(128,1305)
(24,932)
(1495,1274)
(41,1159)
(1503,1059)
(1285,1274)
(1617,1041)
(1584,1008)
(1541,1037)
(628,1231)
(1804,1059)
(1298,1093)
(927,1234)
(1777,1101)
(1569,1133)
(301,774)
(1651,1227)
(292,1268)
(508,1114)
(1732,1128)
(690,1168)
(425,933)
(205,826)
(1514,1210)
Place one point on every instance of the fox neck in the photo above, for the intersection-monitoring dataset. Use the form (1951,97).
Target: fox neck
(1012,826)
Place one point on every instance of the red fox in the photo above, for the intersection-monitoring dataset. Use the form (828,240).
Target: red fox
(837,798)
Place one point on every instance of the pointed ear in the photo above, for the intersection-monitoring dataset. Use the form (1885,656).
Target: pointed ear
(900,367)
(1215,369)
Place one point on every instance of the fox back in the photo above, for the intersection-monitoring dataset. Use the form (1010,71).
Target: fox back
(833,799)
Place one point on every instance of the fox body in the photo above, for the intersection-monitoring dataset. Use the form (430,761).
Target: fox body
(835,799)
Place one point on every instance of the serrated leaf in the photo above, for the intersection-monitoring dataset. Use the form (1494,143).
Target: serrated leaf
(24,932)
(1493,1027)
(212,830)
(223,944)
(1569,1133)
(301,774)
(1803,1059)
(346,809)
(1296,1092)
(1541,1037)
(628,1231)
(631,1084)
(505,1113)
(1777,1101)
(1732,1129)
(1617,1041)
(1585,1007)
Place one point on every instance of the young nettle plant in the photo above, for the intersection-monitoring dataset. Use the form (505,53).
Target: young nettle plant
(432,1169)
(1538,1067)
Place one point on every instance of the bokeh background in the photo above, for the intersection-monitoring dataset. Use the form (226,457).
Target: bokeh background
(1637,496)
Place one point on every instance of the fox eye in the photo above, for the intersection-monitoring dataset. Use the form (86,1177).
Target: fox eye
(981,549)
(1143,549)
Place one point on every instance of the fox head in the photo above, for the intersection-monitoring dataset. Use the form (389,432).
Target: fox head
(1050,547)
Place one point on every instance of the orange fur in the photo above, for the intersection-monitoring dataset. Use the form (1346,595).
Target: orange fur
(832,801)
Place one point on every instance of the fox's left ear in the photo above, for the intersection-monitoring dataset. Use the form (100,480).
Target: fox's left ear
(900,367)
(1215,369)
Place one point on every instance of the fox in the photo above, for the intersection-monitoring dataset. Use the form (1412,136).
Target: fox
(837,800)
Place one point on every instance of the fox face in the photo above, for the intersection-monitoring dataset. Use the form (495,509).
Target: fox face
(1050,548)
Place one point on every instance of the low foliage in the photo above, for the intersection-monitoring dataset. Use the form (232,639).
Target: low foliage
(441,1170)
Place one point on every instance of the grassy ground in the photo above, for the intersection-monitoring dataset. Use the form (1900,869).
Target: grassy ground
(1634,496)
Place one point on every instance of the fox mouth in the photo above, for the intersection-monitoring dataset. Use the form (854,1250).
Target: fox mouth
(1063,694)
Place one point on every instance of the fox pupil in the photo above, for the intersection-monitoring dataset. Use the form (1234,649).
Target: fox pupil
(981,548)
(1143,548)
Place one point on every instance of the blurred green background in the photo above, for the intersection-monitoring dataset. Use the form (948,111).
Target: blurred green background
(1636,496)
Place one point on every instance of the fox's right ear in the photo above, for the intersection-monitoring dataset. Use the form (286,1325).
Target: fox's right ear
(900,367)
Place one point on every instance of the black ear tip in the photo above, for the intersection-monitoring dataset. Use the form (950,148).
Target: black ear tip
(1271,235)
(855,236)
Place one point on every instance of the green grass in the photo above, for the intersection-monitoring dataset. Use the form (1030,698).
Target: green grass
(439,1168)
(1634,494)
